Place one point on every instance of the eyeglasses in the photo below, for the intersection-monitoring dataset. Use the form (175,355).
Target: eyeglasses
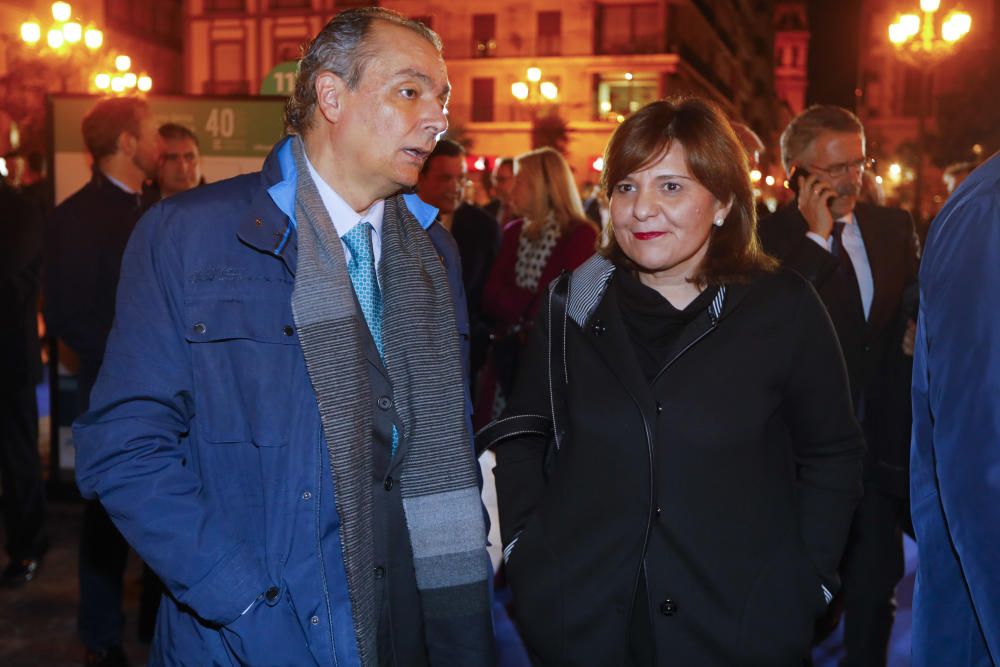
(838,170)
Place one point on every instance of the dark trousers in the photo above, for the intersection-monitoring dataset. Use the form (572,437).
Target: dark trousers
(872,567)
(103,555)
(21,474)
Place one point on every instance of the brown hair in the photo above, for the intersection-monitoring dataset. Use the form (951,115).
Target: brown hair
(553,191)
(341,47)
(107,119)
(717,161)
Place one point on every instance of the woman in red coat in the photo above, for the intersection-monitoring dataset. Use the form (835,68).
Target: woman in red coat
(551,235)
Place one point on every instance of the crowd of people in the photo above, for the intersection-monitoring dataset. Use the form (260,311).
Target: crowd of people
(693,414)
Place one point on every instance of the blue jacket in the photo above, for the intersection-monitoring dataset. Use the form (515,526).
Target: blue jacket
(204,441)
(955,459)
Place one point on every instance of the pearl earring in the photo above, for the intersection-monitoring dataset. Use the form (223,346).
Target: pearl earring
(719,221)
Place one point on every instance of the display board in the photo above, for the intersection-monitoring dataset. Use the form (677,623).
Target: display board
(236,134)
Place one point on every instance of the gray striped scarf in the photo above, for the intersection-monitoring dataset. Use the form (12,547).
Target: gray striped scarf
(438,481)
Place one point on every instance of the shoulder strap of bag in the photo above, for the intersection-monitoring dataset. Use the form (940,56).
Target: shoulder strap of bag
(494,433)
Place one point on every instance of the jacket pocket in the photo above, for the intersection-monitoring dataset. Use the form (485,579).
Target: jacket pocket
(533,572)
(243,355)
(780,613)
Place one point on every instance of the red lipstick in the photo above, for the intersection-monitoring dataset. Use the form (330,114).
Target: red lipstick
(647,236)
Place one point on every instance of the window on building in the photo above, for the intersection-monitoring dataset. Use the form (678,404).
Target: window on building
(625,29)
(617,95)
(291,4)
(228,73)
(482,100)
(484,35)
(549,33)
(213,6)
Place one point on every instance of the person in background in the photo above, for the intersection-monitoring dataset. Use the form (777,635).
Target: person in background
(697,509)
(85,241)
(862,260)
(501,207)
(180,163)
(955,465)
(955,173)
(23,501)
(551,235)
(476,233)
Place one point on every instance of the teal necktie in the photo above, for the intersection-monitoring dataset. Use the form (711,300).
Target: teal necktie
(361,268)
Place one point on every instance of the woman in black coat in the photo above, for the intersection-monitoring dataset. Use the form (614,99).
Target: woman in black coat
(700,501)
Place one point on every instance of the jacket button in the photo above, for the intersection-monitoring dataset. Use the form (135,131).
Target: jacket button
(314,620)
(384,402)
(659,407)
(388,484)
(379,571)
(271,594)
(200,328)
(668,607)
(258,222)
(597,328)
(306,495)
(287,330)
(659,511)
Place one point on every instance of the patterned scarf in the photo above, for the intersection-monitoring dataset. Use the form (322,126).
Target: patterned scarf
(439,486)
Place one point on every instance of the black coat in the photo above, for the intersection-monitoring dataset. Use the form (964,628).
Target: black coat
(731,479)
(20,278)
(478,238)
(878,369)
(85,240)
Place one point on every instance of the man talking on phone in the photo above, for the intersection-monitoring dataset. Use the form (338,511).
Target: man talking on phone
(862,260)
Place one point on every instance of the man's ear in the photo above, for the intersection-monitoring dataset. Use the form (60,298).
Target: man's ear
(127,143)
(330,92)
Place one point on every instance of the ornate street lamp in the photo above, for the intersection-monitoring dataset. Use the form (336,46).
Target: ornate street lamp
(534,92)
(920,40)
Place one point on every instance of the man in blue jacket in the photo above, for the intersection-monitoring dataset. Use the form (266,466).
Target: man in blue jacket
(280,427)
(955,461)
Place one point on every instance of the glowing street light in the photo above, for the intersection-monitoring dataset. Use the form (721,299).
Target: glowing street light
(61,11)
(144,83)
(102,81)
(755,175)
(55,38)
(93,38)
(534,91)
(918,44)
(31,32)
(123,63)
(73,32)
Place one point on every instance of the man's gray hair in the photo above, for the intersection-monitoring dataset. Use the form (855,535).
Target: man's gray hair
(809,124)
(341,47)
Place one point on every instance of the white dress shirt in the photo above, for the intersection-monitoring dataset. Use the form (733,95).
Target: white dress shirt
(855,247)
(346,218)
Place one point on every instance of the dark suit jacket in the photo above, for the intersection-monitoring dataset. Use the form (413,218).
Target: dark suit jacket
(878,370)
(478,238)
(85,240)
(20,276)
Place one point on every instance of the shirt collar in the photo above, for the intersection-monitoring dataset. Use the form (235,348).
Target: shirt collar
(282,193)
(343,216)
(118,184)
(847,219)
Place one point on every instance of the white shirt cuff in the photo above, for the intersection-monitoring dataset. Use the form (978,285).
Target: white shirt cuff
(826,244)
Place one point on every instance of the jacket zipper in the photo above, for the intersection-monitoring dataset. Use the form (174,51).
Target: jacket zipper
(649,514)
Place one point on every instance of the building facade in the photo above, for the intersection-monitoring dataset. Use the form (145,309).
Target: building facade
(598,60)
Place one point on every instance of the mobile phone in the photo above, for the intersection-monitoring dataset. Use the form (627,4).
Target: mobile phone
(793,178)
